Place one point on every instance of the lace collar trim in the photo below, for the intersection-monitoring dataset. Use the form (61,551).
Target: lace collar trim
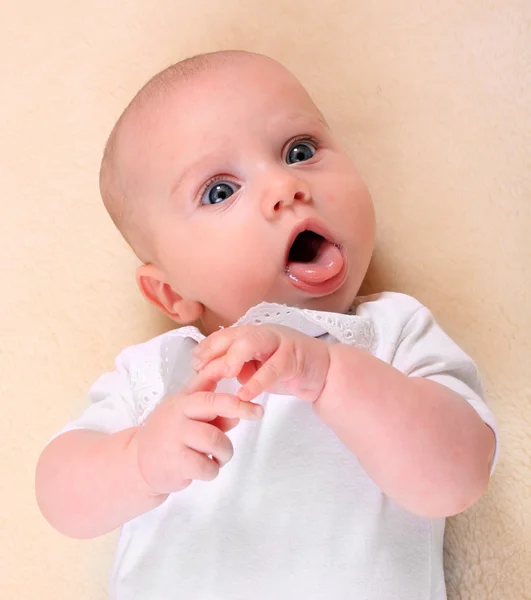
(346,328)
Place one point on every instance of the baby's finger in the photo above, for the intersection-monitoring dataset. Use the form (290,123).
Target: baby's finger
(207,379)
(215,345)
(225,424)
(196,465)
(259,344)
(206,406)
(248,370)
(209,440)
(265,377)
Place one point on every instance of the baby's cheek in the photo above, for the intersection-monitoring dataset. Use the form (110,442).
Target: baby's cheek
(237,283)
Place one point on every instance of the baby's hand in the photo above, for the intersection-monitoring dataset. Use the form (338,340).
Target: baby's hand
(269,358)
(184,437)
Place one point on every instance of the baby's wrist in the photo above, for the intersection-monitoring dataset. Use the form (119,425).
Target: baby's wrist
(320,361)
(342,358)
(137,472)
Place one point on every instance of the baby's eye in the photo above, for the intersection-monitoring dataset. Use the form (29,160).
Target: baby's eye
(219,191)
(299,152)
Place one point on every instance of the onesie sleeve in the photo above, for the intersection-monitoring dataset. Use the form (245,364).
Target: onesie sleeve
(143,375)
(111,405)
(425,350)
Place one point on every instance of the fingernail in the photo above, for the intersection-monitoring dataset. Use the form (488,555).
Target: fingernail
(197,350)
(196,364)
(226,369)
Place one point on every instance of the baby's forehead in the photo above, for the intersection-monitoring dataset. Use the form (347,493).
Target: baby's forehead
(227,101)
(218,111)
(250,82)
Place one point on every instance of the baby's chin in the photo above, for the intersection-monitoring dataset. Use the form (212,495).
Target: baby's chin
(332,303)
(338,302)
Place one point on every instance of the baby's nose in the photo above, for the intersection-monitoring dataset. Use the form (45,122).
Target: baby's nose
(283,194)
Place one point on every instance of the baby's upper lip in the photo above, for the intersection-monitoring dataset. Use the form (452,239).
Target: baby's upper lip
(310,224)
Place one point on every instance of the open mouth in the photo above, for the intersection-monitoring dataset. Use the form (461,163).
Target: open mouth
(314,262)
(306,247)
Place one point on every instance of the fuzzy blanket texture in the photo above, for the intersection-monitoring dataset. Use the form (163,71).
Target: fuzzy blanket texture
(432,99)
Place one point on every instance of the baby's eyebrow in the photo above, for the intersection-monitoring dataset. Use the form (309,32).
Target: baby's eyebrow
(179,182)
(189,170)
(311,119)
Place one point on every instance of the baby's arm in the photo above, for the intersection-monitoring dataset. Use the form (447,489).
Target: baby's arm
(421,442)
(88,482)
(411,425)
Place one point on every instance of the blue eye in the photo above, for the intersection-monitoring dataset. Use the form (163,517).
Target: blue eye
(299,152)
(218,192)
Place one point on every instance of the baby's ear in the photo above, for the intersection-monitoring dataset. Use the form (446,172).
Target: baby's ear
(154,287)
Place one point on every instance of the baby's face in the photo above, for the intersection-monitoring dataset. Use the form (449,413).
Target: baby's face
(234,165)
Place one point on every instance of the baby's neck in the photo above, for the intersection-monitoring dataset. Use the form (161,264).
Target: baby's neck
(210,321)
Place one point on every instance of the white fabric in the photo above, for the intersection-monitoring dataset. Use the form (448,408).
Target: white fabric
(292,515)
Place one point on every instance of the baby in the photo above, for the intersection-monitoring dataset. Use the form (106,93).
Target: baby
(302,442)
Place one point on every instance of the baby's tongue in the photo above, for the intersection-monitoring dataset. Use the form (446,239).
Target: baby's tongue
(326,265)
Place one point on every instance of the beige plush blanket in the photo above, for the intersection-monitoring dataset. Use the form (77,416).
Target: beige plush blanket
(432,99)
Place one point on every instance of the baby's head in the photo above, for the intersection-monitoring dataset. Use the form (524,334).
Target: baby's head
(226,181)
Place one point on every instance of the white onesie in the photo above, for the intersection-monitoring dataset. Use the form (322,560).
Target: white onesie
(293,515)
